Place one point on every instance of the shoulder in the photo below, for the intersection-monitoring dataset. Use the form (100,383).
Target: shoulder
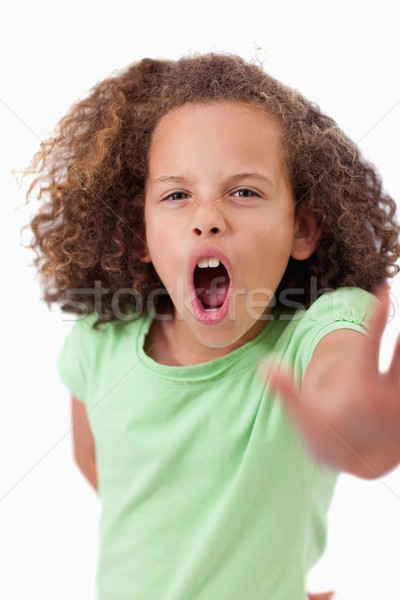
(344,308)
(89,329)
(90,341)
(89,351)
(349,304)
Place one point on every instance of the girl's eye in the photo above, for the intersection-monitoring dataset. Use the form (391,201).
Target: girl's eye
(245,193)
(176,196)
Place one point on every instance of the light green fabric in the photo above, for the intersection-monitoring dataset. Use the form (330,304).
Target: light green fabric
(206,491)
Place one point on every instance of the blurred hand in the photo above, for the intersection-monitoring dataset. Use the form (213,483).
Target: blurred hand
(347,411)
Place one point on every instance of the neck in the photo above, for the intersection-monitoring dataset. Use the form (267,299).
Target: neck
(170,342)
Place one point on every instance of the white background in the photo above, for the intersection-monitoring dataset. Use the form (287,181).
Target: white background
(343,55)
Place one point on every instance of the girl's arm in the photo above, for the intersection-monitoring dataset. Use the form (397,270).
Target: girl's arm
(347,411)
(83,442)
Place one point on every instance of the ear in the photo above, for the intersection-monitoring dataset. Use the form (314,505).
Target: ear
(307,233)
(146,258)
(145,254)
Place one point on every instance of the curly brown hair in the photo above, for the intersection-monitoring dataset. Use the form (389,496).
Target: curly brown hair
(91,175)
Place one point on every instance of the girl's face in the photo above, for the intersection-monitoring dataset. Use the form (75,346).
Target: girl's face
(219,219)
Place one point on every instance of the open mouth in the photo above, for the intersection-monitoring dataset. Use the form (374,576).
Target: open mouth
(211,282)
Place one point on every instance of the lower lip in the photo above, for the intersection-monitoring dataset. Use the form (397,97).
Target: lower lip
(210,317)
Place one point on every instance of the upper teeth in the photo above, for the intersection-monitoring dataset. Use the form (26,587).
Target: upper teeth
(208,262)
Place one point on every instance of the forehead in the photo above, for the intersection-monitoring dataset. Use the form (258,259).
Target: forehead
(229,127)
(220,114)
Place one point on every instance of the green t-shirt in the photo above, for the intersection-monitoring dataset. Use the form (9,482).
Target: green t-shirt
(206,490)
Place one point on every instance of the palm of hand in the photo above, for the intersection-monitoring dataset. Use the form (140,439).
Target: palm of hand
(356,425)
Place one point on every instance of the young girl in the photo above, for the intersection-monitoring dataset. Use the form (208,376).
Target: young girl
(210,221)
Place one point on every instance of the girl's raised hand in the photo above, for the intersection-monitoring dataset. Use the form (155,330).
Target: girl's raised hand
(347,411)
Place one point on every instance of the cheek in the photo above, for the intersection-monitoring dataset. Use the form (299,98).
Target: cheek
(159,226)
(275,240)
(154,232)
(161,248)
(281,236)
(269,258)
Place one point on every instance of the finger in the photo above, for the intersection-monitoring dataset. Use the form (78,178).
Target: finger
(394,369)
(295,404)
(323,596)
(284,385)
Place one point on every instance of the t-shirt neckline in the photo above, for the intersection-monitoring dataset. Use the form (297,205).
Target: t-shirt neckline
(246,355)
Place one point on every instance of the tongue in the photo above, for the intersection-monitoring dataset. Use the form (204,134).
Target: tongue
(212,286)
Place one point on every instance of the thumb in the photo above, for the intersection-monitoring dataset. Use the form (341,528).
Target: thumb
(296,407)
(283,383)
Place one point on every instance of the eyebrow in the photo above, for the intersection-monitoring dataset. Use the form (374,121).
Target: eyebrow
(256,176)
(234,178)
(170,179)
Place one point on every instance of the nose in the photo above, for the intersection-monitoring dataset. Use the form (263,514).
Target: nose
(208,222)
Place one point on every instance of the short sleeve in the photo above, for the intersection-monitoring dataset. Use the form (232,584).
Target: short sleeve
(345,308)
(75,359)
